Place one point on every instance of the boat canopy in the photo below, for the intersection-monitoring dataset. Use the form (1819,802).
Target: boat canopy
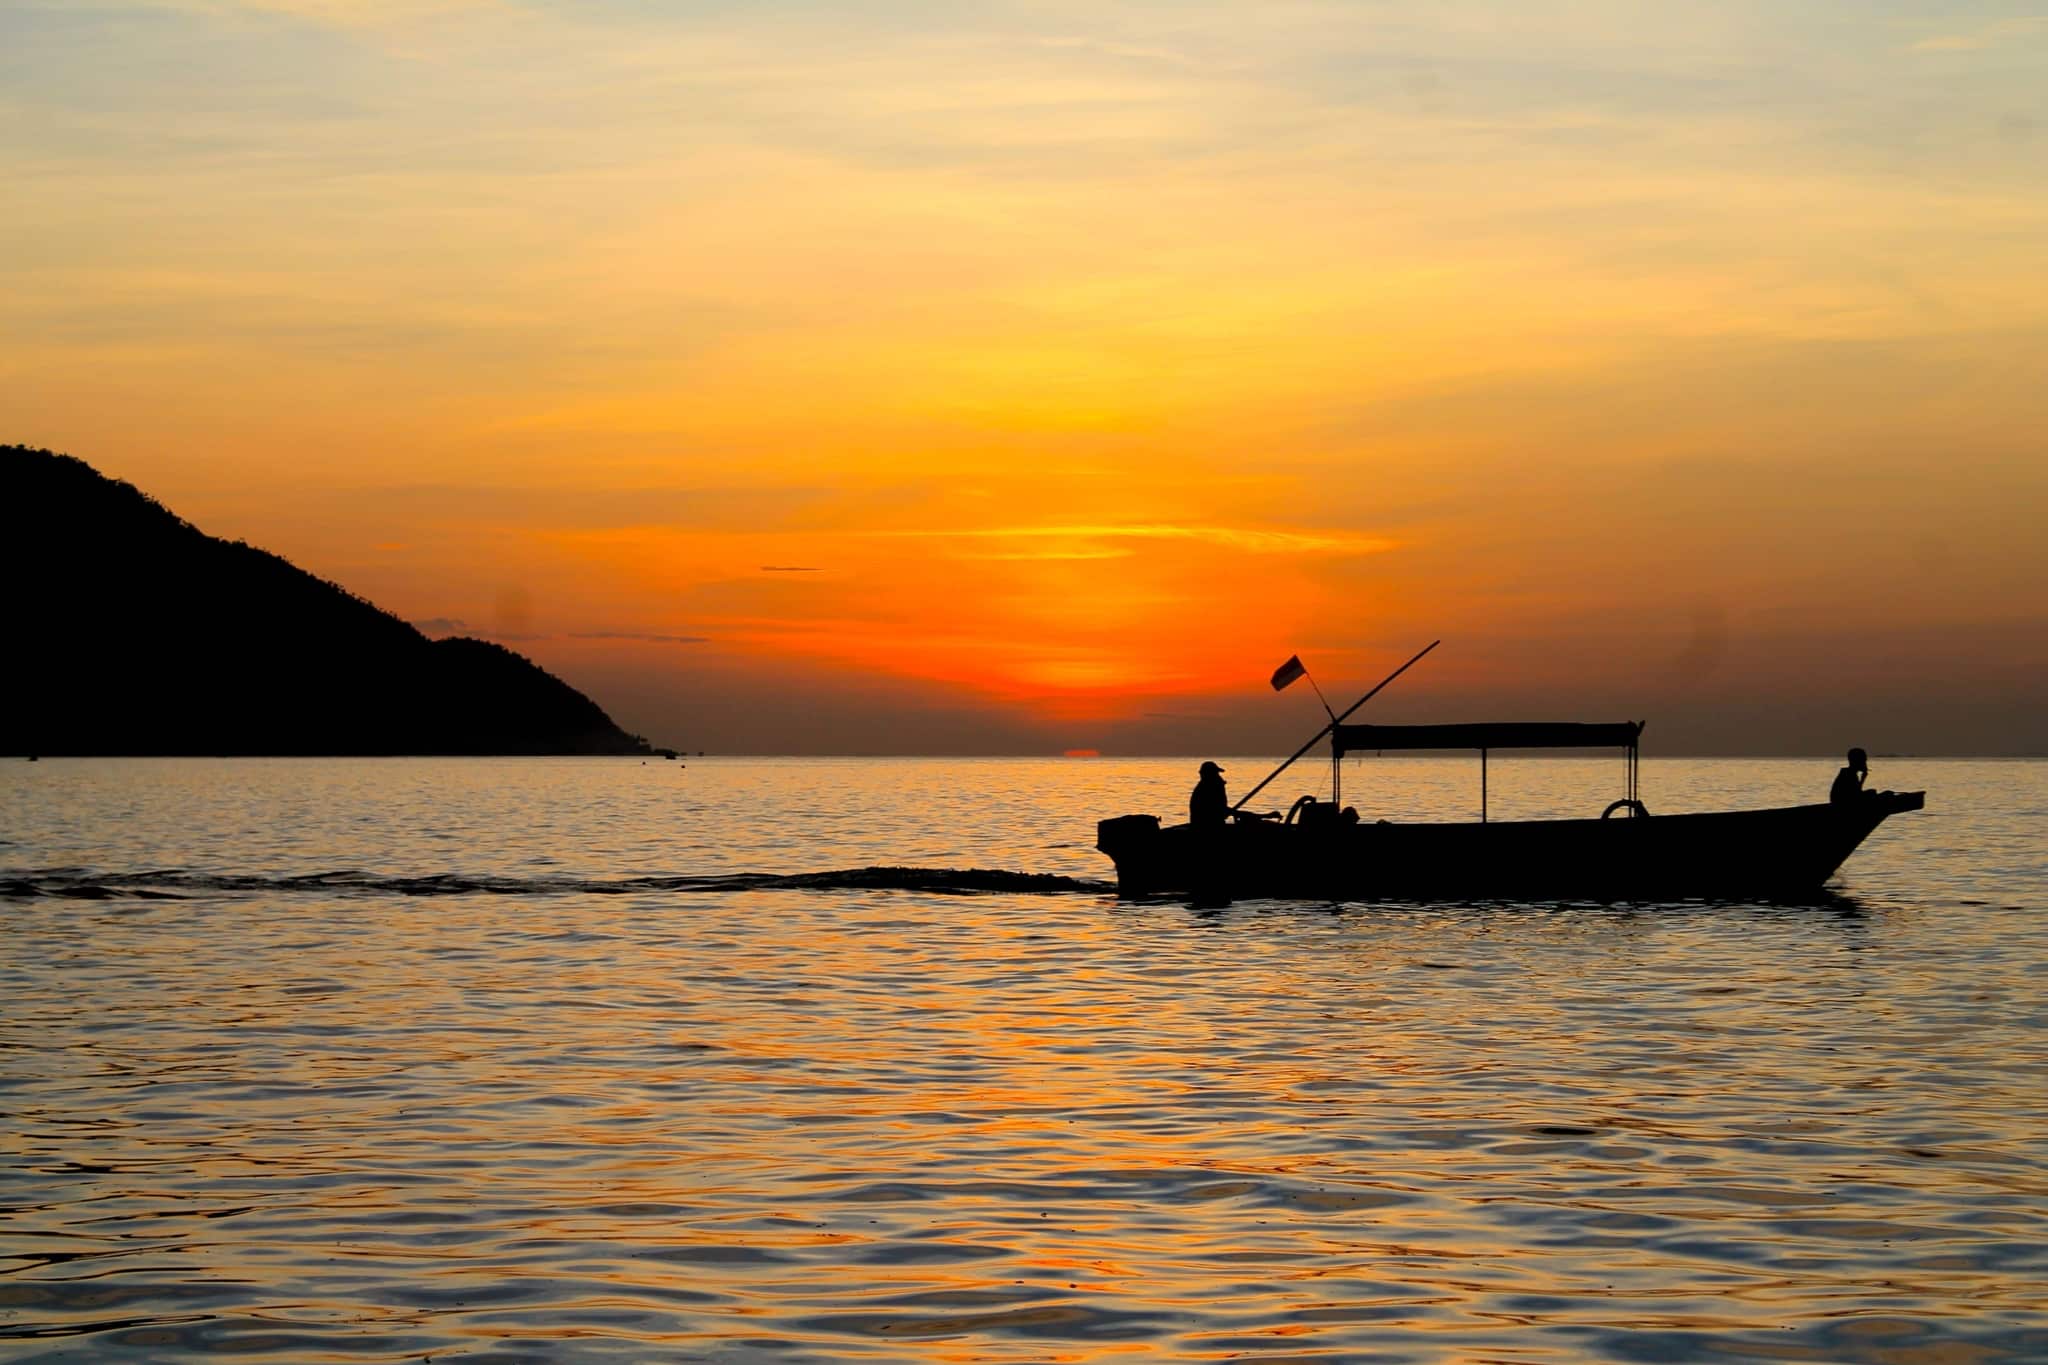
(1488,735)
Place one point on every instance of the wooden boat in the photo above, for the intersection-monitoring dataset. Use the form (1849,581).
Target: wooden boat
(1322,851)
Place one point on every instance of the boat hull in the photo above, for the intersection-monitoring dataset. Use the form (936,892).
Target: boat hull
(1782,852)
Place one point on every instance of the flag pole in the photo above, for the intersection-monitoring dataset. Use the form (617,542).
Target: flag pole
(1335,721)
(1319,694)
(1336,761)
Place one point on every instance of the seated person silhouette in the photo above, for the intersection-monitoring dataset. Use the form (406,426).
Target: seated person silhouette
(1848,788)
(1209,804)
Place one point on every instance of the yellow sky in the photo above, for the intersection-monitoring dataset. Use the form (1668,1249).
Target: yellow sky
(934,377)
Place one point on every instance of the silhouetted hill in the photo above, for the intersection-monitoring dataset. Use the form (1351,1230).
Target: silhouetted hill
(131,631)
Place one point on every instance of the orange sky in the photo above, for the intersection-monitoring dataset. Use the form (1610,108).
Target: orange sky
(906,378)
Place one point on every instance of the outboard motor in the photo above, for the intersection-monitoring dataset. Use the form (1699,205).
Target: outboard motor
(1120,833)
(1134,843)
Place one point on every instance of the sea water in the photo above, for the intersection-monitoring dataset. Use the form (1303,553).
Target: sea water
(565,1060)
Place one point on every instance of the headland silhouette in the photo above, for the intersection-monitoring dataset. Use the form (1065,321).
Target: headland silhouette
(134,632)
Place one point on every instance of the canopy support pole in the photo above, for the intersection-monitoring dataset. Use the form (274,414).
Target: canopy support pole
(1482,786)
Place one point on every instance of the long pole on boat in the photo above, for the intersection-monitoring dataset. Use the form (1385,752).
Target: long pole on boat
(1335,721)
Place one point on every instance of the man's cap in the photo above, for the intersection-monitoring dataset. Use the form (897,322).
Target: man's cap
(1211,768)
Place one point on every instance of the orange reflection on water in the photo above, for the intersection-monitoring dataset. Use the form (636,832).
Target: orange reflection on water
(1000,1127)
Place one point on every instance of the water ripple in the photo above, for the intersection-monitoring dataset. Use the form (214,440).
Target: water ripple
(599,1111)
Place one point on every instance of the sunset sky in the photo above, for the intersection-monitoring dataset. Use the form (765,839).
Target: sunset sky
(1013,378)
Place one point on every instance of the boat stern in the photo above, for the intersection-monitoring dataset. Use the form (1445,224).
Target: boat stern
(1132,842)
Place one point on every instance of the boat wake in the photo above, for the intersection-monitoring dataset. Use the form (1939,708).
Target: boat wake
(177,884)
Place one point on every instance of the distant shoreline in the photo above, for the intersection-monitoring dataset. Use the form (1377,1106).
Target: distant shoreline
(1195,757)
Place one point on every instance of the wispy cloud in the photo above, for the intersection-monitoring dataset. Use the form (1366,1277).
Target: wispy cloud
(1985,35)
(1252,540)
(1056,552)
(649,637)
(336,13)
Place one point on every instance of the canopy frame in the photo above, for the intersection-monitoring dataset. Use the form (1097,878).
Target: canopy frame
(1489,735)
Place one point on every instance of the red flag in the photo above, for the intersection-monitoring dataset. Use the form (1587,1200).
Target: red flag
(1288,672)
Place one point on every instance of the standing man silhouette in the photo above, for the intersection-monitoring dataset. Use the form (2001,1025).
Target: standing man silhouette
(1209,804)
